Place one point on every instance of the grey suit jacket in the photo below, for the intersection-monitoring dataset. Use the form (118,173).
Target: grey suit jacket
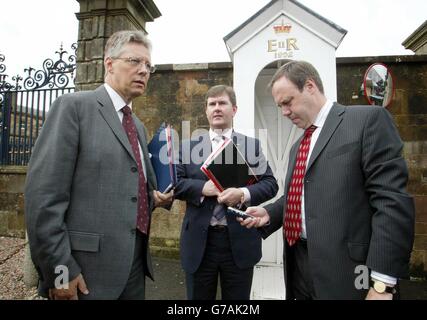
(80,195)
(357,210)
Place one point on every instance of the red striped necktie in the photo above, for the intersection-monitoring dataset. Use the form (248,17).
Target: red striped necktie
(292,224)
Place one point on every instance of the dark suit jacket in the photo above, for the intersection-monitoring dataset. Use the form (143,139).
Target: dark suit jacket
(79,196)
(245,243)
(356,207)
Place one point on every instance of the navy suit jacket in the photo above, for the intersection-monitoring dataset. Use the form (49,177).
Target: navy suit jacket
(245,243)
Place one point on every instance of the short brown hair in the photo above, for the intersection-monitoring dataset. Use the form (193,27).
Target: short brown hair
(298,72)
(218,90)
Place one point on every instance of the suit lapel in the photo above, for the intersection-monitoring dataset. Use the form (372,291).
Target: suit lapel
(110,116)
(240,141)
(332,121)
(204,145)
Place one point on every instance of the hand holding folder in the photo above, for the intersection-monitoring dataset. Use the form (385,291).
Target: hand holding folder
(227,167)
(161,149)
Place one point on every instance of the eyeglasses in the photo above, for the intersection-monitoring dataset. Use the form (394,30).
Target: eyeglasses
(136,62)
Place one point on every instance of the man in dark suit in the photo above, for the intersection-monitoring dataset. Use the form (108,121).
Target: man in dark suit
(90,185)
(345,208)
(212,242)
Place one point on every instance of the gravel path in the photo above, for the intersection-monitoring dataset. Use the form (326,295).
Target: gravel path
(11,271)
(169,284)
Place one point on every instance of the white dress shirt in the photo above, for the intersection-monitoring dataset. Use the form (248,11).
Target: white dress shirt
(118,104)
(319,123)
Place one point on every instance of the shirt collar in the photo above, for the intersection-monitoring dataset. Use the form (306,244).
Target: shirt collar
(218,132)
(323,114)
(118,101)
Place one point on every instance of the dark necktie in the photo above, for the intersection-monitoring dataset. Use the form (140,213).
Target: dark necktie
(130,129)
(292,224)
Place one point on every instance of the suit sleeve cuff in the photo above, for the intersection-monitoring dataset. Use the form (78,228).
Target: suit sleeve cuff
(64,273)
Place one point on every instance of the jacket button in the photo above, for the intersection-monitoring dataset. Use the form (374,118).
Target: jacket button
(134,169)
(133,231)
(134,199)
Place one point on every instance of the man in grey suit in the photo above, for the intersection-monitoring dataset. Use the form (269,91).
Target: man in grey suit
(348,220)
(90,185)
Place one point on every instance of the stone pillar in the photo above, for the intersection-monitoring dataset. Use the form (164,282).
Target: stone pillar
(98,19)
(31,277)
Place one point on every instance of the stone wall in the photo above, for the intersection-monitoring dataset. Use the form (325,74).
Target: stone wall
(176,93)
(409,110)
(12,181)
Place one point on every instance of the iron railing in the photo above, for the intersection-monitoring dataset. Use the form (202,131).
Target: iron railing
(25,101)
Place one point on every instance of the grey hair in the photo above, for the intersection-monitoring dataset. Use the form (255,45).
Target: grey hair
(119,39)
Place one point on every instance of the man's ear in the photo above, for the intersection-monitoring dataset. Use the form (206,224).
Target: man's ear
(108,64)
(310,85)
(234,109)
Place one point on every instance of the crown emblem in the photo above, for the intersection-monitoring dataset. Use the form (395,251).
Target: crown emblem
(282,28)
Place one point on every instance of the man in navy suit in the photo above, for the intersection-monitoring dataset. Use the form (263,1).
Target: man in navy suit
(213,242)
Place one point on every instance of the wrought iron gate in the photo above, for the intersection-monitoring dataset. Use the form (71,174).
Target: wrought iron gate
(24,103)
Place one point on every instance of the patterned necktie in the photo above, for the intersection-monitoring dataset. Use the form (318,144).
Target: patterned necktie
(219,209)
(130,129)
(292,224)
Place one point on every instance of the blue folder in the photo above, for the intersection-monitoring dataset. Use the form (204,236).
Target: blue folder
(162,156)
